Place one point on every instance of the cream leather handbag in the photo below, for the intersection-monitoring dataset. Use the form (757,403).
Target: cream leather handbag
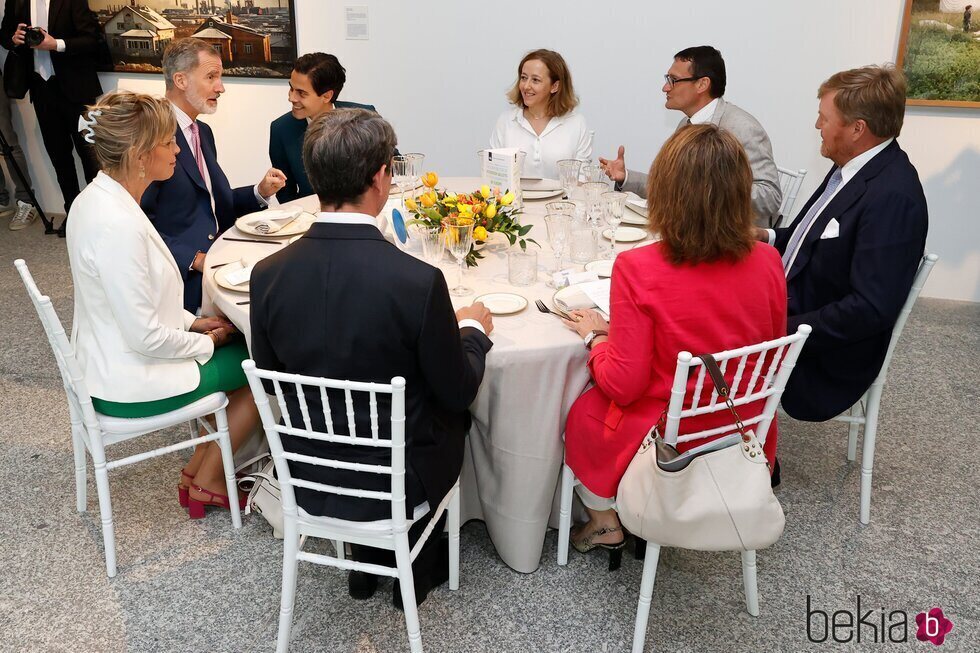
(717,497)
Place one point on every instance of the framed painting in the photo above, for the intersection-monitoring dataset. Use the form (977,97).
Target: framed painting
(255,38)
(939,52)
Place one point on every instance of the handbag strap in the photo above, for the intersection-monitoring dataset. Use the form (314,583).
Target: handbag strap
(721,385)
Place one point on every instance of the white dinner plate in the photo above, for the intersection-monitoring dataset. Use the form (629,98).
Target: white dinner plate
(626,234)
(601,267)
(221,273)
(542,194)
(503,303)
(571,298)
(298,226)
(639,219)
(538,184)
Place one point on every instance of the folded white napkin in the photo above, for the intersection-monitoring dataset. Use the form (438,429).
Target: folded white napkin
(592,294)
(272,220)
(240,276)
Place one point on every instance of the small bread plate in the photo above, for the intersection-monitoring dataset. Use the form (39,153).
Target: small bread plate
(221,277)
(601,267)
(626,234)
(296,227)
(503,303)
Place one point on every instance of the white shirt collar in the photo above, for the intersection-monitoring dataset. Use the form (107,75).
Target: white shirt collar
(705,113)
(851,168)
(523,122)
(183,120)
(331,217)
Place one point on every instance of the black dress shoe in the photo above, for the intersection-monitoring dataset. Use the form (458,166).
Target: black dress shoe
(361,585)
(61,231)
(774,479)
(426,582)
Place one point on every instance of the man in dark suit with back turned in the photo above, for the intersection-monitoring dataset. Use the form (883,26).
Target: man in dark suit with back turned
(314,84)
(197,203)
(852,253)
(344,303)
(63,78)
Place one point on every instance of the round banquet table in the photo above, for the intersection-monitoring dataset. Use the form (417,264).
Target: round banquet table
(534,372)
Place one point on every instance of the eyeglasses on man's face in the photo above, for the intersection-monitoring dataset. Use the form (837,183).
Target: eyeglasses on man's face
(671,80)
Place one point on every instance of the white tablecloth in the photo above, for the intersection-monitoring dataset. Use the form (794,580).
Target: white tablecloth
(534,372)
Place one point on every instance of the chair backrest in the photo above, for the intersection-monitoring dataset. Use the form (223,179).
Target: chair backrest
(79,400)
(774,361)
(921,275)
(274,431)
(789,183)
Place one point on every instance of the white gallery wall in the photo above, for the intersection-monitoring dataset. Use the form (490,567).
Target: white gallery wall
(438,70)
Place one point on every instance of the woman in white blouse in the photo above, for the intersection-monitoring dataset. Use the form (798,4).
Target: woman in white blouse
(141,353)
(543,122)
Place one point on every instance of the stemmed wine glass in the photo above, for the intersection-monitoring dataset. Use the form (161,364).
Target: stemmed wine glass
(558,230)
(459,239)
(614,203)
(568,172)
(405,171)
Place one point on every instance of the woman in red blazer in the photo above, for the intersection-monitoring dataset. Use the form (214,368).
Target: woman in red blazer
(705,287)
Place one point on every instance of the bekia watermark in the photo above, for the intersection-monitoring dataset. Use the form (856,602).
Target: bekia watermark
(873,626)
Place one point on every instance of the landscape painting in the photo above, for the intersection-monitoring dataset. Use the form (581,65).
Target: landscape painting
(939,52)
(255,38)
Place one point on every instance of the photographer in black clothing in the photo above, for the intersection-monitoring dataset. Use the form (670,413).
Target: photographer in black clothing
(55,42)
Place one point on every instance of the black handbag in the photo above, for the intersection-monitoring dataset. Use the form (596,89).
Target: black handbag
(16,75)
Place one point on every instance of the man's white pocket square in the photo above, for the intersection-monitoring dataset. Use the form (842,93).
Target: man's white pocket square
(832,230)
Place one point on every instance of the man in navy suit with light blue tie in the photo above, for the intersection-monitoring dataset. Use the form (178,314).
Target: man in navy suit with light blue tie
(197,203)
(316,81)
(852,253)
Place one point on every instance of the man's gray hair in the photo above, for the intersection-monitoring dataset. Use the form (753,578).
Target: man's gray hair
(342,152)
(182,56)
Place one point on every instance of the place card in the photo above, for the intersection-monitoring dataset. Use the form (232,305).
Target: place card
(240,276)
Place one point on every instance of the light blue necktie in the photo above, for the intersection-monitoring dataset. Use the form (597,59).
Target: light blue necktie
(801,229)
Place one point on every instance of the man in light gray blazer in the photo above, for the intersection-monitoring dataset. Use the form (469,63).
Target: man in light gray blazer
(695,85)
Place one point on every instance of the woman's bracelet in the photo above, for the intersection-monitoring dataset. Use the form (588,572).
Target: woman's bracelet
(213,337)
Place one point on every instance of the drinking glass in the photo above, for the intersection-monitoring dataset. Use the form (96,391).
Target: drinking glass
(522,267)
(433,245)
(614,203)
(568,172)
(591,172)
(459,239)
(557,224)
(405,171)
(560,206)
(593,191)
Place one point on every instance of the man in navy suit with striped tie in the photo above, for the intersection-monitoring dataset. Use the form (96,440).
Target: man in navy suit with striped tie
(852,253)
(197,203)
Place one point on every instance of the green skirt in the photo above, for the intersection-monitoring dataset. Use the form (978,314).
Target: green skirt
(223,373)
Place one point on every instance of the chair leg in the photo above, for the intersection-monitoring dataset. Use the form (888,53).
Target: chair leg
(565,513)
(81,480)
(852,432)
(338,547)
(403,559)
(192,428)
(452,523)
(290,546)
(646,594)
(105,512)
(228,463)
(868,453)
(750,582)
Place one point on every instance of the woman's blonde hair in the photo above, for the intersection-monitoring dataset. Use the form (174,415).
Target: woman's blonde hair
(699,194)
(559,103)
(128,125)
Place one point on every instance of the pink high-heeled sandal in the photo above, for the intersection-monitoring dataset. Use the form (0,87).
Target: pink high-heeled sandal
(195,507)
(183,492)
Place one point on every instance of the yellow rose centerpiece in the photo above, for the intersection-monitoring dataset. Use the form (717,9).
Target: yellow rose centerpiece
(491,211)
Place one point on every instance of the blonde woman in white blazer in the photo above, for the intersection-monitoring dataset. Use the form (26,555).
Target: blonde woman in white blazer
(141,353)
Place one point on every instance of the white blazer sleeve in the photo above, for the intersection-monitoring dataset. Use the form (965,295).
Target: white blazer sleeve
(127,285)
(498,137)
(583,150)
